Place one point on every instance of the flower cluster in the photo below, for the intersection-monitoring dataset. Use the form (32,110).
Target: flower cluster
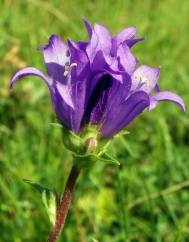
(98,82)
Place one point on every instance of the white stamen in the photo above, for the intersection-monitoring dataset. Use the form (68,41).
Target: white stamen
(142,80)
(73,65)
(66,73)
(145,82)
(68,68)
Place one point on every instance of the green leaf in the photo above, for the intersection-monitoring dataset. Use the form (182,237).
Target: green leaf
(36,186)
(58,125)
(50,202)
(104,157)
(121,133)
(50,199)
(85,161)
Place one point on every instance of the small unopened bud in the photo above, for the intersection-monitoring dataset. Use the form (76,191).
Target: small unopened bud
(91,144)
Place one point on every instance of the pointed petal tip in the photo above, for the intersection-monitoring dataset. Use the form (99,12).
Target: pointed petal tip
(85,21)
(11,86)
(71,44)
(99,28)
(69,41)
(150,72)
(88,27)
(127,34)
(132,42)
(141,39)
(134,28)
(183,106)
(51,40)
(169,97)
(54,37)
(28,71)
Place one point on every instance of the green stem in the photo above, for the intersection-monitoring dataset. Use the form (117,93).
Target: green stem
(64,204)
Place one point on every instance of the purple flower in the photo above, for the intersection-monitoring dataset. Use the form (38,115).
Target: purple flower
(98,82)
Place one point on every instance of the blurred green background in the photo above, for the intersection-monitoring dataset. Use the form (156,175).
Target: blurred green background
(146,198)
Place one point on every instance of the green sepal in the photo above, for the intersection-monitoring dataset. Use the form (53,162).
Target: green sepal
(88,147)
(50,199)
(104,157)
(58,125)
(72,141)
(121,133)
(77,144)
(87,160)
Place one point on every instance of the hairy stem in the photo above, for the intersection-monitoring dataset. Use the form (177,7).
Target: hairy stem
(64,204)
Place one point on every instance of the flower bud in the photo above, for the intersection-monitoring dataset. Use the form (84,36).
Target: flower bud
(91,145)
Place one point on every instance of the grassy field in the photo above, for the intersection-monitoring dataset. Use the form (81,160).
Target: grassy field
(146,198)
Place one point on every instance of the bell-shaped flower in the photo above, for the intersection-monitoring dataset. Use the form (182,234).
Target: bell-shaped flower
(98,82)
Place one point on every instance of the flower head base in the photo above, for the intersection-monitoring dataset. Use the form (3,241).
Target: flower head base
(98,82)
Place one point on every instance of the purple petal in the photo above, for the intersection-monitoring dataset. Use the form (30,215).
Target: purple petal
(119,117)
(117,76)
(78,84)
(99,61)
(127,60)
(104,38)
(29,71)
(166,96)
(100,41)
(126,34)
(145,78)
(78,57)
(119,92)
(56,51)
(98,100)
(56,56)
(69,102)
(157,88)
(80,92)
(88,28)
(82,45)
(131,42)
(92,47)
(60,99)
(107,92)
(105,63)
(65,93)
(62,109)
